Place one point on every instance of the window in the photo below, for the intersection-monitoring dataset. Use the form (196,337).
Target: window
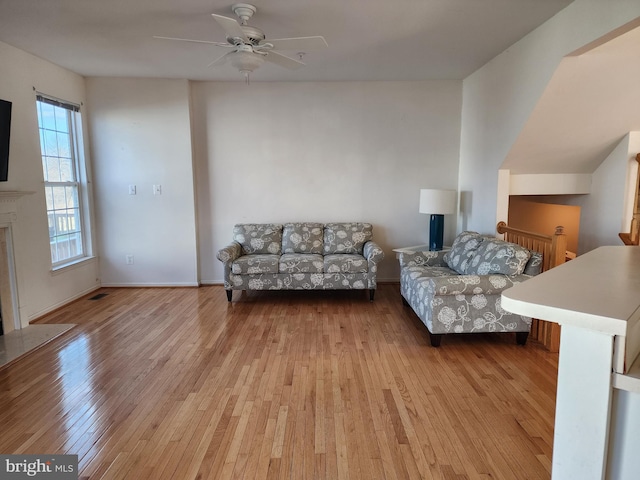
(63,167)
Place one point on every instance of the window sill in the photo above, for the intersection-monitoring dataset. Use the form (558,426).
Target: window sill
(72,265)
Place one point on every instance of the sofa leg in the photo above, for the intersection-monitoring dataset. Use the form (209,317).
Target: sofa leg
(521,337)
(372,292)
(436,338)
(404,301)
(229,294)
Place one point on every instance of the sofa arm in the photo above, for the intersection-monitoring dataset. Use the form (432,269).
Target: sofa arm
(474,284)
(424,258)
(372,252)
(229,253)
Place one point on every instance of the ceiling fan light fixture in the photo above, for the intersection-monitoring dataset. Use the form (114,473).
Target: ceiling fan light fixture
(246,62)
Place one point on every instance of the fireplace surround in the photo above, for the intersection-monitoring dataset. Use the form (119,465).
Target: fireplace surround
(9,285)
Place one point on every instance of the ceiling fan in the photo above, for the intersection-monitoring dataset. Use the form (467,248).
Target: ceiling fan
(248,44)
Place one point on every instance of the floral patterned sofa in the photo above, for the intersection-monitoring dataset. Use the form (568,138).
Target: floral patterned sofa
(459,290)
(301,256)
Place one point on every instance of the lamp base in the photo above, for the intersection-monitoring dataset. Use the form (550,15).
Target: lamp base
(436,232)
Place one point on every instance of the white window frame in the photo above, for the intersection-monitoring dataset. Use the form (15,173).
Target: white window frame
(79,183)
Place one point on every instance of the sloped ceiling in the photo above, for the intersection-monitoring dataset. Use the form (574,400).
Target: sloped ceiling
(590,104)
(368,39)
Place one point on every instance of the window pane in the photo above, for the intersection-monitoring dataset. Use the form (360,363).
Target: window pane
(42,152)
(66,170)
(50,143)
(59,198)
(54,251)
(62,119)
(64,147)
(75,245)
(63,247)
(72,220)
(72,197)
(52,172)
(48,193)
(47,116)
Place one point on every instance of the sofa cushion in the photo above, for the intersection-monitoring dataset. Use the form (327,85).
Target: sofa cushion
(253,264)
(497,256)
(346,237)
(259,238)
(301,263)
(534,265)
(345,263)
(302,238)
(418,271)
(462,251)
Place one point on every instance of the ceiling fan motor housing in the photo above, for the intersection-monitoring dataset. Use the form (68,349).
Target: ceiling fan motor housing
(255,35)
(244,11)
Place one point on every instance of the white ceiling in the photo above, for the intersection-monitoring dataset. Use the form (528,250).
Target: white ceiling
(588,106)
(368,40)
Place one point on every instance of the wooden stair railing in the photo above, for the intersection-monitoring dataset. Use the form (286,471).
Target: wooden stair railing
(554,252)
(633,237)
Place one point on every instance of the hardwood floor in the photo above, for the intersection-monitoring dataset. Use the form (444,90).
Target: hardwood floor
(178,384)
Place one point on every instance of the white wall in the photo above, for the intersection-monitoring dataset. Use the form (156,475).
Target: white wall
(602,210)
(141,135)
(352,151)
(499,97)
(40,289)
(603,213)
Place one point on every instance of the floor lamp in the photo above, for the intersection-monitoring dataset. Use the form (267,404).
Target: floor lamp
(437,203)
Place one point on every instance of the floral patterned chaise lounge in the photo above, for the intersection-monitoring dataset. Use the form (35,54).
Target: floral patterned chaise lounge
(459,290)
(301,256)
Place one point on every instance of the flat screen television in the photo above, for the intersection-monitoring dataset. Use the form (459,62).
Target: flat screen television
(5,132)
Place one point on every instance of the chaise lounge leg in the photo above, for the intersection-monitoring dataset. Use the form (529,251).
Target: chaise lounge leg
(229,294)
(404,301)
(372,292)
(521,337)
(436,338)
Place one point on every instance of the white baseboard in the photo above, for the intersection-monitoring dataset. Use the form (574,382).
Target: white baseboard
(62,303)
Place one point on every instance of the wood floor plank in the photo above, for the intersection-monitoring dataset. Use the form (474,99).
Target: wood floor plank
(177,383)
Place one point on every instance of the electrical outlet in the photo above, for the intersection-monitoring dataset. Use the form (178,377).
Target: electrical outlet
(132,189)
(129,259)
(157,189)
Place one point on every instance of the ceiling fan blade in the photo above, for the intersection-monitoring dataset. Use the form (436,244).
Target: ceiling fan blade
(218,44)
(299,44)
(283,61)
(220,60)
(231,27)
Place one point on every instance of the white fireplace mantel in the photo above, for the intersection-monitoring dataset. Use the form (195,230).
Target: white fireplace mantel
(9,282)
(9,205)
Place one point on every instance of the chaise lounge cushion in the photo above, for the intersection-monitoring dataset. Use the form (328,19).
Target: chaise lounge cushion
(462,251)
(346,237)
(259,238)
(301,263)
(345,263)
(534,265)
(497,256)
(255,264)
(302,238)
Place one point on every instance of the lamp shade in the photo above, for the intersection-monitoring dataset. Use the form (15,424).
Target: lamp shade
(438,202)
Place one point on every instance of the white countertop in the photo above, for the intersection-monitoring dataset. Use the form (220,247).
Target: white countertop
(599,290)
